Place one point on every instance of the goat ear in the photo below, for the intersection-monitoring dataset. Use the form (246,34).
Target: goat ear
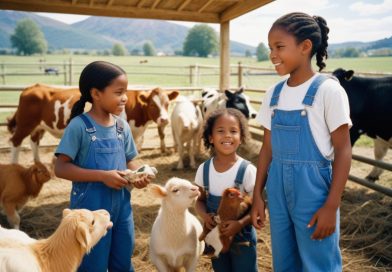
(158,191)
(66,211)
(83,236)
(349,75)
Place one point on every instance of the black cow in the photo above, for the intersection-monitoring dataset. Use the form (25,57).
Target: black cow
(370,111)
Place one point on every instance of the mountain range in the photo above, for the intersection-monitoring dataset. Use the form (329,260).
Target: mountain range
(102,32)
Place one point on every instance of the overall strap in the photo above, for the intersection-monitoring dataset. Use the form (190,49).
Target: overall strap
(276,93)
(119,126)
(206,174)
(311,93)
(240,173)
(89,126)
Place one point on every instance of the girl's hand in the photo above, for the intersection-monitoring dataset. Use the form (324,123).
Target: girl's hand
(142,182)
(209,221)
(257,212)
(326,222)
(230,228)
(113,179)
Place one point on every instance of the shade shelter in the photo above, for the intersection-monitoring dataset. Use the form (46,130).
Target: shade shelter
(204,11)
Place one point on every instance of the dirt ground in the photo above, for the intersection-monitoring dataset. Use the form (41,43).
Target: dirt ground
(366,219)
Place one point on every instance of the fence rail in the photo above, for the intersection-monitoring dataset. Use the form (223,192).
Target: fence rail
(69,71)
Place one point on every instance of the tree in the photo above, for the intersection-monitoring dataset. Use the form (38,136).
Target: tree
(119,50)
(28,39)
(262,52)
(148,49)
(201,41)
(248,54)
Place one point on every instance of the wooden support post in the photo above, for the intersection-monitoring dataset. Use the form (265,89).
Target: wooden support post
(224,56)
(65,72)
(3,72)
(240,68)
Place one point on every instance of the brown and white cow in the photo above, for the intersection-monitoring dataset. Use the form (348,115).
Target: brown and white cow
(45,108)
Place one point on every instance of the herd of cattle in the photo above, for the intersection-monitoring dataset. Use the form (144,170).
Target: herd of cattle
(43,108)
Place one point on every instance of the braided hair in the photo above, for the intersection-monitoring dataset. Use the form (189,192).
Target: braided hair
(99,75)
(303,27)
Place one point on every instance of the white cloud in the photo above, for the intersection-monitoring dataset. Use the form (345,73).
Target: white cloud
(362,29)
(372,9)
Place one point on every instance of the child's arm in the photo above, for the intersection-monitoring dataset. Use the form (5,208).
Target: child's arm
(64,168)
(201,210)
(258,207)
(326,215)
(143,181)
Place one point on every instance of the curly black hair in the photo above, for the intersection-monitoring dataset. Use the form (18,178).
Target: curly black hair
(213,116)
(304,26)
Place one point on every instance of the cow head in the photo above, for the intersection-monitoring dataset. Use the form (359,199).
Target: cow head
(238,100)
(343,75)
(212,100)
(157,102)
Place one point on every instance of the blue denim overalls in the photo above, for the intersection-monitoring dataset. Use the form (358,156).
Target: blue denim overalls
(298,184)
(239,257)
(115,249)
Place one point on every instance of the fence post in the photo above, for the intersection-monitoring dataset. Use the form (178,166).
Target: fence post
(3,72)
(65,72)
(239,74)
(197,75)
(70,72)
(190,75)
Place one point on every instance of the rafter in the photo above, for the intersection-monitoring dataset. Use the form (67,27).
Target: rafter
(141,3)
(110,2)
(183,5)
(242,8)
(205,6)
(74,2)
(91,3)
(155,4)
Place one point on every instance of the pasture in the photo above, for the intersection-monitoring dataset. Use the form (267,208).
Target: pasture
(366,219)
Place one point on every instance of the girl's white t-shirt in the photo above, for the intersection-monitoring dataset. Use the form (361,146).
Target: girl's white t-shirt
(219,181)
(330,110)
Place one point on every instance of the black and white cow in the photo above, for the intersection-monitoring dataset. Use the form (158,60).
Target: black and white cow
(370,111)
(213,99)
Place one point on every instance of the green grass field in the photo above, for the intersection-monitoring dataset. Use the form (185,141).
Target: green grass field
(159,71)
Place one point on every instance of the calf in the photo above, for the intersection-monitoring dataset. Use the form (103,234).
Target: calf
(44,108)
(186,123)
(78,232)
(174,239)
(370,111)
(212,100)
(17,185)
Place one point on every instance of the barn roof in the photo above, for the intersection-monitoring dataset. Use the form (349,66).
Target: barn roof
(207,11)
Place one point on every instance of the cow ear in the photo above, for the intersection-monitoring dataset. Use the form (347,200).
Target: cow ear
(228,93)
(143,98)
(349,75)
(241,89)
(172,95)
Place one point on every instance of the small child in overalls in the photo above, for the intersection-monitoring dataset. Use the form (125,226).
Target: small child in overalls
(94,150)
(223,133)
(306,153)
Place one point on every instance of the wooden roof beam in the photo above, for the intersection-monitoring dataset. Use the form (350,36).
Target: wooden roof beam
(183,5)
(114,11)
(74,2)
(91,3)
(155,4)
(141,3)
(241,8)
(205,6)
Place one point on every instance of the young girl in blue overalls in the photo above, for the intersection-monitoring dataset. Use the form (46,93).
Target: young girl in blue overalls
(223,133)
(306,153)
(94,150)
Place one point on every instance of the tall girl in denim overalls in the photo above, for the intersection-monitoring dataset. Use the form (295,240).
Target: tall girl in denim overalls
(306,153)
(224,131)
(94,150)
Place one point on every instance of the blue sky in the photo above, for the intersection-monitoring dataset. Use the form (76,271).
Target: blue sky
(349,20)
